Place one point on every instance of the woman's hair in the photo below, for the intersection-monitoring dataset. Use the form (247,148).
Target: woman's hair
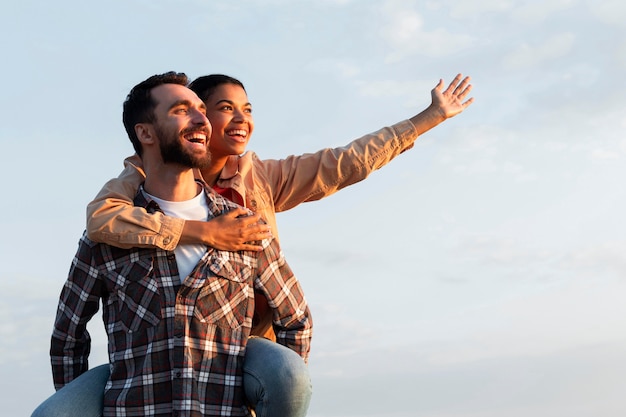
(205,86)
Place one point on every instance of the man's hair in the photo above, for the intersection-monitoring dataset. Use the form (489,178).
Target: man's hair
(139,105)
(205,86)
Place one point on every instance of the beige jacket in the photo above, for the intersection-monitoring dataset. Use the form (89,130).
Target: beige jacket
(267,186)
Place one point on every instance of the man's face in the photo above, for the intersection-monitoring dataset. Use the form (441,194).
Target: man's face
(181,126)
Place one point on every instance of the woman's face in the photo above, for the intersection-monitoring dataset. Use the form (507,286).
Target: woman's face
(230,115)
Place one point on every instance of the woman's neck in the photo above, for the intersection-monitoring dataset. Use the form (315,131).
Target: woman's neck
(212,173)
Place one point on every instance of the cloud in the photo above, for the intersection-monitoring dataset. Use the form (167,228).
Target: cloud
(564,314)
(396,88)
(611,12)
(475,8)
(522,11)
(28,313)
(506,251)
(597,134)
(598,258)
(605,154)
(405,31)
(527,56)
(534,12)
(576,382)
(335,2)
(620,54)
(336,67)
(484,150)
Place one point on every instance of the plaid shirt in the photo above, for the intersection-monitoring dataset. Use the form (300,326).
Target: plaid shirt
(174,349)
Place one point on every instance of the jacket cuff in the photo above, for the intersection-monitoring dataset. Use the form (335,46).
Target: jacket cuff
(170,233)
(406,134)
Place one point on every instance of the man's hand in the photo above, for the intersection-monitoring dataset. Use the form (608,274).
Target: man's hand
(233,231)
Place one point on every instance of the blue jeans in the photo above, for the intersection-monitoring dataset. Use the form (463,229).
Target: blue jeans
(276,382)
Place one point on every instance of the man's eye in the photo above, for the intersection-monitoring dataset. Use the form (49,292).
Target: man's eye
(181,110)
(249,110)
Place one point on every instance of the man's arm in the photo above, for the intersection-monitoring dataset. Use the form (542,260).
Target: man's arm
(292,320)
(113,219)
(310,177)
(70,344)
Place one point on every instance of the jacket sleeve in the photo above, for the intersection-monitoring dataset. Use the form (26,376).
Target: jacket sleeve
(113,219)
(310,177)
(292,320)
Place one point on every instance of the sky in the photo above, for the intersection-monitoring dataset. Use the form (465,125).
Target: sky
(482,273)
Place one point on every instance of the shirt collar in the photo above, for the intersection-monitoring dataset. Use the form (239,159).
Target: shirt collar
(217,204)
(142,199)
(231,168)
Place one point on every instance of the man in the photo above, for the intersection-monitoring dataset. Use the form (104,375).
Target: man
(178,321)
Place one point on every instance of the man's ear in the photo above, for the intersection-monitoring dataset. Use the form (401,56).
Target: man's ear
(145,133)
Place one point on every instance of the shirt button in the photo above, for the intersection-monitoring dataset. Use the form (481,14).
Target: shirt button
(166,240)
(178,374)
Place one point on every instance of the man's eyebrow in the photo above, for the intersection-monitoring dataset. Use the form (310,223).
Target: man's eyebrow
(186,103)
(180,103)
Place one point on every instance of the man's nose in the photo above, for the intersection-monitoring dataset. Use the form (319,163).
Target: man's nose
(199,117)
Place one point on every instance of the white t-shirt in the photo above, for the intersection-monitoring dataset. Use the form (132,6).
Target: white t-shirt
(187,256)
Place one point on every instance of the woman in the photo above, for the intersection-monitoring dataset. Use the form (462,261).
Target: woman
(263,186)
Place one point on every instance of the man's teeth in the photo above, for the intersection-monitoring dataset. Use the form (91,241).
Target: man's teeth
(196,137)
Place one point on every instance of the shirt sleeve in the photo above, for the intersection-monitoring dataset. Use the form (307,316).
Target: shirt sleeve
(313,176)
(292,320)
(113,219)
(71,343)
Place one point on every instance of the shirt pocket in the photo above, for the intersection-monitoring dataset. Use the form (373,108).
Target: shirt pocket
(258,200)
(224,298)
(138,296)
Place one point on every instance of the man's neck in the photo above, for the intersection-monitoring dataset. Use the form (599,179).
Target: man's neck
(171,183)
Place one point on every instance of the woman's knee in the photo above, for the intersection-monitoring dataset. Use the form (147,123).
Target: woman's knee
(277,368)
(80,398)
(276,380)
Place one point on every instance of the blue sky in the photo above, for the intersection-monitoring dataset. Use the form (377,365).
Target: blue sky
(482,273)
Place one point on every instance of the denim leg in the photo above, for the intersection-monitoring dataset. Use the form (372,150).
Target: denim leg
(82,397)
(276,380)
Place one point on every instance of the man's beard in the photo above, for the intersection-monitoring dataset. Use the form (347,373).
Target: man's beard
(172,151)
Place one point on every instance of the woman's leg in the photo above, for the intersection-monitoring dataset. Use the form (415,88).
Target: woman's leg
(275,379)
(80,398)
